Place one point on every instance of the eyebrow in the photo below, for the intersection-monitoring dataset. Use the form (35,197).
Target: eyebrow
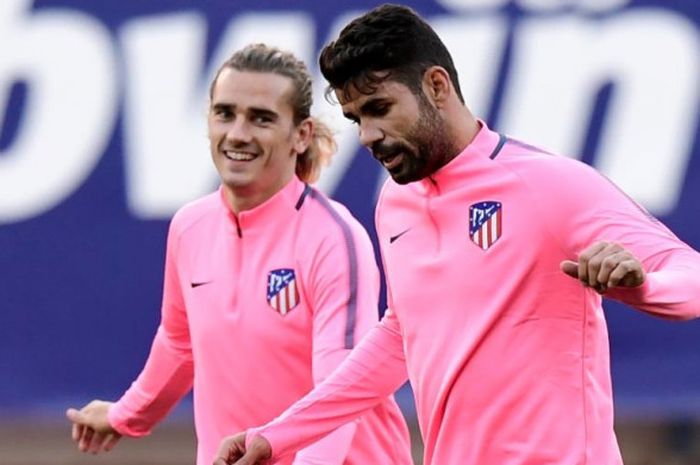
(254,111)
(222,106)
(367,107)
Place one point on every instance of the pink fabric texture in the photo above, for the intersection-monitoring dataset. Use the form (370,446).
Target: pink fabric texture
(257,309)
(508,356)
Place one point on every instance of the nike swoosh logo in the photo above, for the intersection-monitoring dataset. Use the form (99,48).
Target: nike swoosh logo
(393,238)
(199,284)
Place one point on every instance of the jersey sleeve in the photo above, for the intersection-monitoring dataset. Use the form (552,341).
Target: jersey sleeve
(168,373)
(344,293)
(585,207)
(372,371)
(344,290)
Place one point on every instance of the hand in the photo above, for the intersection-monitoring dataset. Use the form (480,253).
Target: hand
(91,430)
(232,451)
(605,265)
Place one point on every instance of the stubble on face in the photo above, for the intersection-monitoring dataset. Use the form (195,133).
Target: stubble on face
(427,146)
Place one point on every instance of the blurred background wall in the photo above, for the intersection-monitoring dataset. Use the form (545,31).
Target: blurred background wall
(102,138)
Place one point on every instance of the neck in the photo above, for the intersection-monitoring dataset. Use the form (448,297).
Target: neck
(463,128)
(240,199)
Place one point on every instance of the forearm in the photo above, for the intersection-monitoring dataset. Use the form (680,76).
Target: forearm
(329,450)
(164,380)
(584,208)
(374,370)
(672,291)
(333,448)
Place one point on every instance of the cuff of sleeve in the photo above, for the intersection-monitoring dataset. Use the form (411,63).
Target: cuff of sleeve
(251,433)
(119,419)
(634,294)
(641,292)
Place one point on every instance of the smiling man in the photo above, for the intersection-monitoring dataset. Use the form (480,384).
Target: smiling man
(268,283)
(481,235)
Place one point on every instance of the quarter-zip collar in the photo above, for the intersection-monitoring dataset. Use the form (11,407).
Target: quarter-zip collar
(278,208)
(485,143)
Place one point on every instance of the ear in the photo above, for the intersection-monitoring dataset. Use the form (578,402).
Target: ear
(437,85)
(303,133)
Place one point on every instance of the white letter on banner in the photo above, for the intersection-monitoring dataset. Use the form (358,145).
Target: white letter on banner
(472,5)
(167,151)
(66,60)
(652,58)
(597,6)
(346,134)
(477,45)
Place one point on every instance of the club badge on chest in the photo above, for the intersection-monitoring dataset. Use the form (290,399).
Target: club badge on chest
(485,223)
(282,292)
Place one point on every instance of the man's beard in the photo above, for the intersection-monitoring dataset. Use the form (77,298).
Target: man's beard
(428,149)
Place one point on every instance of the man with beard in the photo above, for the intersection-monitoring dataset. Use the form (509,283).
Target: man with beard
(481,236)
(268,283)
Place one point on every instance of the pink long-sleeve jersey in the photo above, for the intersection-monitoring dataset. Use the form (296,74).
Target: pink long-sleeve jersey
(257,308)
(508,356)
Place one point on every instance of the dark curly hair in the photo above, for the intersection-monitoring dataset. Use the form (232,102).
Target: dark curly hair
(388,42)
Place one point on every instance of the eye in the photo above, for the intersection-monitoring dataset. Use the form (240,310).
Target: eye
(352,119)
(262,119)
(379,109)
(223,113)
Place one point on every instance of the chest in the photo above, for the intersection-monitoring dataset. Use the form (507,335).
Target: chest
(246,287)
(464,251)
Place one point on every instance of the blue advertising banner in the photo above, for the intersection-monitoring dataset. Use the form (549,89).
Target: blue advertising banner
(103,137)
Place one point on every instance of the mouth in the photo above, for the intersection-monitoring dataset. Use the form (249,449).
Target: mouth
(391,162)
(237,156)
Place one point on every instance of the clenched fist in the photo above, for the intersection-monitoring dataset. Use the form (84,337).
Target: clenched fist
(605,265)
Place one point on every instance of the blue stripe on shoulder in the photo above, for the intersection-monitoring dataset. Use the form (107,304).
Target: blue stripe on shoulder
(501,142)
(526,146)
(352,260)
(302,197)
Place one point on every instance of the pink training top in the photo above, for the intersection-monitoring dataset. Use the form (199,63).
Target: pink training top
(256,310)
(508,356)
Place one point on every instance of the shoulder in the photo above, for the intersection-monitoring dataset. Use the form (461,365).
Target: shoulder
(334,230)
(323,211)
(549,176)
(570,192)
(531,162)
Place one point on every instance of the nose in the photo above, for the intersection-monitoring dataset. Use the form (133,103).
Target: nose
(238,131)
(369,134)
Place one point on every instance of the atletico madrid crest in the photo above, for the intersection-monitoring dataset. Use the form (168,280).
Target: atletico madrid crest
(485,219)
(282,293)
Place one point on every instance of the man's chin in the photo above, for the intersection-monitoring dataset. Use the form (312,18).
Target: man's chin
(236,181)
(403,177)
